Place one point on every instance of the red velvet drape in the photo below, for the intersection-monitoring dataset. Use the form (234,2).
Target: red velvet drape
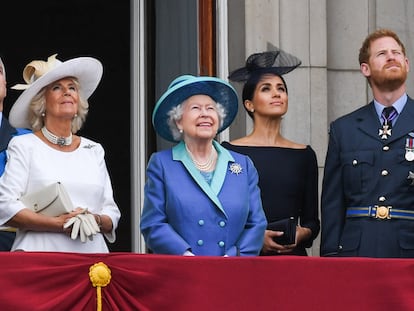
(60,281)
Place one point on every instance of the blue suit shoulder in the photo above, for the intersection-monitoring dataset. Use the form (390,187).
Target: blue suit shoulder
(165,154)
(22,131)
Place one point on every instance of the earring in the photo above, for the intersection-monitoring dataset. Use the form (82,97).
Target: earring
(75,116)
(181,131)
(252,110)
(43,114)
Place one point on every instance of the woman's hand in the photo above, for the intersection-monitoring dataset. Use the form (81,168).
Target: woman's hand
(270,247)
(104,222)
(27,219)
(64,218)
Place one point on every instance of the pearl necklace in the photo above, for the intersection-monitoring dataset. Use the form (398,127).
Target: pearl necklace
(60,141)
(205,167)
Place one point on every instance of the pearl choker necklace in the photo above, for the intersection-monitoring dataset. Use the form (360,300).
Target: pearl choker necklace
(205,167)
(60,141)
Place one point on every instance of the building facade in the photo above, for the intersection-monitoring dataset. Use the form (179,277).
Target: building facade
(325,34)
(145,44)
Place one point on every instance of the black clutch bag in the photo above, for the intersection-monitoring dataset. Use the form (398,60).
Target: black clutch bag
(288,226)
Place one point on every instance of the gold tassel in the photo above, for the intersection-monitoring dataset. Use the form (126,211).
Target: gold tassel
(100,276)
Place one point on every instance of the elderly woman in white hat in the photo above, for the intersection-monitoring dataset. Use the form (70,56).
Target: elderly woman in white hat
(54,105)
(200,199)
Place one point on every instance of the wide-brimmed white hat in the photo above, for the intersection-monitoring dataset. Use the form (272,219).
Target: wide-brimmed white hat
(38,74)
(186,86)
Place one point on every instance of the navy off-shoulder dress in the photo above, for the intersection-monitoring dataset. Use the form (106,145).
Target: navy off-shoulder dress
(288,180)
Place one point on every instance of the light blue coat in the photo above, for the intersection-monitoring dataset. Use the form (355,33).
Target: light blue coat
(183,212)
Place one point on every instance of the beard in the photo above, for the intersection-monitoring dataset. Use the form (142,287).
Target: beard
(389,80)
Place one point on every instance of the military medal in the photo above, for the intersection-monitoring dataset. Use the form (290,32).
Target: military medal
(388,115)
(409,149)
(385,131)
(409,156)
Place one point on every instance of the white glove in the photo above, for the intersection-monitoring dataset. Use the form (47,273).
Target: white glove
(75,222)
(84,225)
(88,224)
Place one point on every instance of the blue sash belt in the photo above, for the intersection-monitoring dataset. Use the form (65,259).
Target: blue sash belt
(379,212)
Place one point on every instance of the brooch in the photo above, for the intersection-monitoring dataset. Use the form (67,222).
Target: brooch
(235,168)
(89,146)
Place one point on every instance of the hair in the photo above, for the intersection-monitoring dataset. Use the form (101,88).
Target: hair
(250,87)
(176,113)
(365,52)
(38,107)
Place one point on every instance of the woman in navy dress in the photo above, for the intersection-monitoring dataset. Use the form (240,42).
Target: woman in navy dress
(288,171)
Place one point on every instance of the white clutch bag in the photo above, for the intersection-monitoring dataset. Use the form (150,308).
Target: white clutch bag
(52,200)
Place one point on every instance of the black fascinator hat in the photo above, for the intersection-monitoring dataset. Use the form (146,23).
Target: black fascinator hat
(277,62)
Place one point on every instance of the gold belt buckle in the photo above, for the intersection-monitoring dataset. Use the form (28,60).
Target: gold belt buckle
(383,212)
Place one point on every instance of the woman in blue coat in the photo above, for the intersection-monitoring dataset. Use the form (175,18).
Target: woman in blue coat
(200,198)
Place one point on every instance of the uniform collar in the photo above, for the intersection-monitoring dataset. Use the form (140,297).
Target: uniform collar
(398,105)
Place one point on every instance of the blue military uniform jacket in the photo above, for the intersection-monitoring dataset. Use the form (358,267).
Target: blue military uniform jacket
(6,133)
(362,170)
(183,212)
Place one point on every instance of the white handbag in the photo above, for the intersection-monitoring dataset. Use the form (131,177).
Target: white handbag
(52,200)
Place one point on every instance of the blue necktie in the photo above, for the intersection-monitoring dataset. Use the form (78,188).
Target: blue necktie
(388,115)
